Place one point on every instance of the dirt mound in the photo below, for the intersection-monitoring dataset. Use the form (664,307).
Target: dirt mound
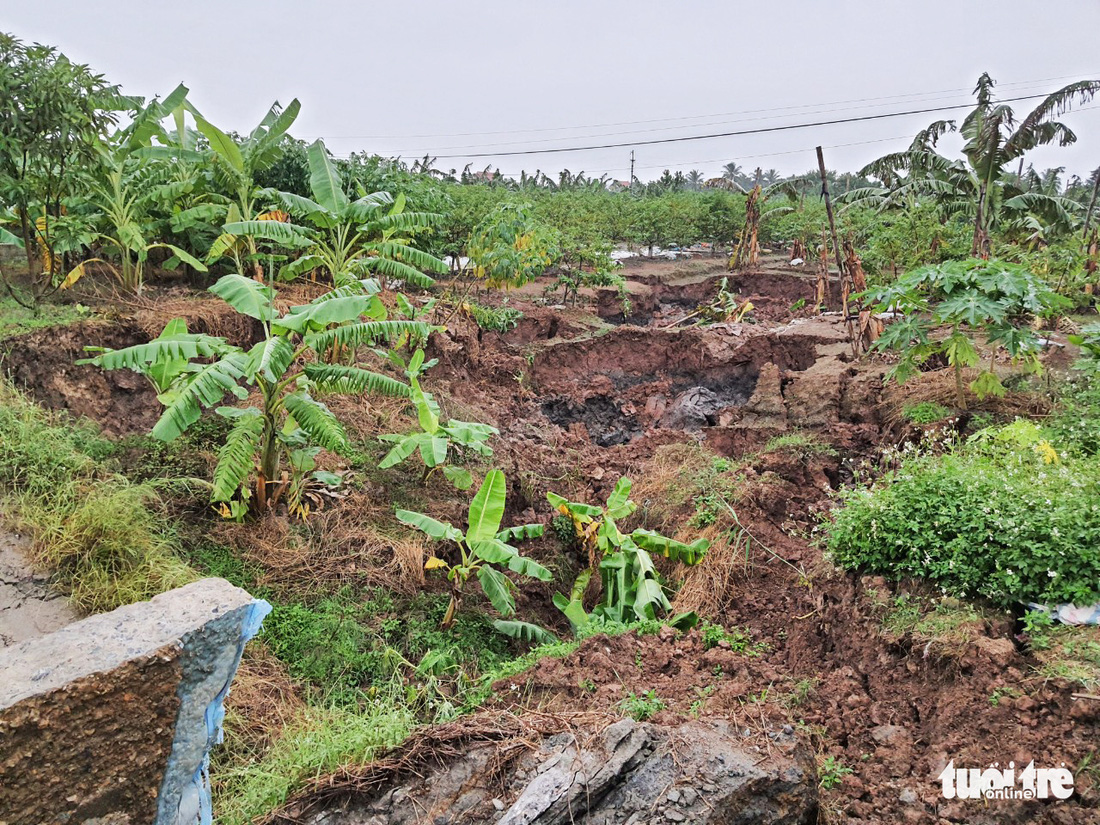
(43,363)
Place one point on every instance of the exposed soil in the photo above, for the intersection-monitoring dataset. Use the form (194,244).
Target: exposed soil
(28,607)
(581,397)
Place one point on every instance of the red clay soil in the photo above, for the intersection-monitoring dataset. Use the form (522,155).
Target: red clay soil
(579,402)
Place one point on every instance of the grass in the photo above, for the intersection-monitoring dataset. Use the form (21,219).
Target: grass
(948,625)
(800,443)
(320,741)
(926,412)
(98,532)
(1069,652)
(16,319)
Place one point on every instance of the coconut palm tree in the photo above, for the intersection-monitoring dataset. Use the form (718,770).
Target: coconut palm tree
(733,172)
(982,185)
(695,180)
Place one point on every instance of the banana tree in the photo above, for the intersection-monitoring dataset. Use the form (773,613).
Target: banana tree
(436,440)
(237,164)
(632,589)
(132,182)
(982,186)
(194,372)
(482,547)
(371,236)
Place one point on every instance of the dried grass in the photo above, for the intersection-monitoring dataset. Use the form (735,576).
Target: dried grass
(710,585)
(340,546)
(205,314)
(938,387)
(263,701)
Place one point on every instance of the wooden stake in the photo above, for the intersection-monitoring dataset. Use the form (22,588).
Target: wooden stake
(832,226)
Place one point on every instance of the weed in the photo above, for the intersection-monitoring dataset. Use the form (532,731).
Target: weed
(799,443)
(702,694)
(16,319)
(738,640)
(801,692)
(1009,692)
(830,772)
(926,412)
(643,707)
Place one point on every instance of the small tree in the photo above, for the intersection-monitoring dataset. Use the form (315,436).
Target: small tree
(53,114)
(509,247)
(973,297)
(194,372)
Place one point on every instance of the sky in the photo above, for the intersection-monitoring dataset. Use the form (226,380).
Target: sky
(455,79)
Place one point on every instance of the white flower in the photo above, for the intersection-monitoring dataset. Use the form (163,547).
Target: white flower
(1053,574)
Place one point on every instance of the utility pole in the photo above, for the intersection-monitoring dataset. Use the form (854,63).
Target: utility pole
(631,167)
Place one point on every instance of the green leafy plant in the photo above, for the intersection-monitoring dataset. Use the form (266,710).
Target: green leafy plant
(480,548)
(1004,515)
(831,772)
(193,372)
(496,319)
(991,298)
(1088,339)
(510,248)
(632,589)
(350,239)
(436,440)
(642,707)
(237,163)
(926,412)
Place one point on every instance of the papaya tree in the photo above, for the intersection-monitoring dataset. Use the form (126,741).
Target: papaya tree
(481,548)
(972,300)
(269,449)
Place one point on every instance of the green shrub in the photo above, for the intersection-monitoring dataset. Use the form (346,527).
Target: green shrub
(1075,423)
(1003,516)
(495,319)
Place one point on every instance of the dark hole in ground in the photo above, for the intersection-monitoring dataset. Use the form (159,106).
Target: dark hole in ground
(607,424)
(690,403)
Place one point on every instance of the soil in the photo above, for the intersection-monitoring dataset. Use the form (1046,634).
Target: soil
(28,607)
(584,394)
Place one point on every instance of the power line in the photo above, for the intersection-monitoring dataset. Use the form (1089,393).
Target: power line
(683,117)
(737,133)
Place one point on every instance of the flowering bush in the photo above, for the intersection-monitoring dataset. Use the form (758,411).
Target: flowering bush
(1008,516)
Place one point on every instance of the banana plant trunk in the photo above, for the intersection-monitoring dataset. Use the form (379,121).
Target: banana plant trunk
(976,243)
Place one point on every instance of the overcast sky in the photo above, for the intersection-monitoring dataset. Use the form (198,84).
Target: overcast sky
(455,78)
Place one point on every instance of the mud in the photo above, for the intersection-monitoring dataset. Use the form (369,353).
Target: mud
(28,607)
(42,363)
